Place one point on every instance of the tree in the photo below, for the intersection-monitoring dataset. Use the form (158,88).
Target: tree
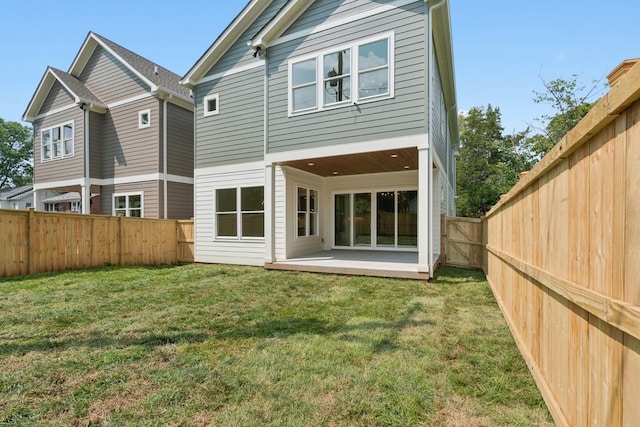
(489,163)
(16,153)
(570,101)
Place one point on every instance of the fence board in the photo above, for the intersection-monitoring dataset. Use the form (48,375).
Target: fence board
(463,242)
(37,242)
(562,261)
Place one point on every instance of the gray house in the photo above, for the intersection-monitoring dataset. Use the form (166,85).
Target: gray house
(118,125)
(326,135)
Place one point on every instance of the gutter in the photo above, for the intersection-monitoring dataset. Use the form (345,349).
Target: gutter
(86,190)
(165,141)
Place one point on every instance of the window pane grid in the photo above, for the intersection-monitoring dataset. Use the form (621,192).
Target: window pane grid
(240,212)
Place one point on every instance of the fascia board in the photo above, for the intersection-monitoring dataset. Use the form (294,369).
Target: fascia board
(39,96)
(280,23)
(228,37)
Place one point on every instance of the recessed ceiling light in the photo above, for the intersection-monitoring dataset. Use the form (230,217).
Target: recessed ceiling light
(335,172)
(407,167)
(394,156)
(311,164)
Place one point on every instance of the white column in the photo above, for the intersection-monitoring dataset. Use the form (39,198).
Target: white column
(37,196)
(424,202)
(269,213)
(86,197)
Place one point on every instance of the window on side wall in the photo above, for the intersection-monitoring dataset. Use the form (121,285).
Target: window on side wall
(211,105)
(130,204)
(307,222)
(360,72)
(240,212)
(57,142)
(144,119)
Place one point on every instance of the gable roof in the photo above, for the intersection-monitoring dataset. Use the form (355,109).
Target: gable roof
(11,193)
(160,80)
(74,87)
(225,40)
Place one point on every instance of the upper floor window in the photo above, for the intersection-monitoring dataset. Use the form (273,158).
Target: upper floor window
(211,104)
(57,141)
(360,72)
(144,118)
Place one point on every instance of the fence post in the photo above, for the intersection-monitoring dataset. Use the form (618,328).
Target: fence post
(120,245)
(30,241)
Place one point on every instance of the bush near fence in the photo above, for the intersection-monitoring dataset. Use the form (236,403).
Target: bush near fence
(36,242)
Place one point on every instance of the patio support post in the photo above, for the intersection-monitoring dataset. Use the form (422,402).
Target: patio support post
(269,214)
(424,201)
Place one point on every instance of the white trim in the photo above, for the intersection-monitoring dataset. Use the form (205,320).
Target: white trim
(338,22)
(56,111)
(205,105)
(214,170)
(231,72)
(141,114)
(127,208)
(307,212)
(354,75)
(130,100)
(62,141)
(116,181)
(238,212)
(418,141)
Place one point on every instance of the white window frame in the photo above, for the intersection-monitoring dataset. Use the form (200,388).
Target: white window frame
(127,208)
(238,213)
(205,105)
(63,152)
(308,213)
(76,207)
(141,114)
(354,75)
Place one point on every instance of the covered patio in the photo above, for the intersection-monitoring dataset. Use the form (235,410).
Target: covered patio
(393,264)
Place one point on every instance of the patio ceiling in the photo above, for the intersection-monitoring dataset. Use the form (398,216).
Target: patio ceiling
(358,164)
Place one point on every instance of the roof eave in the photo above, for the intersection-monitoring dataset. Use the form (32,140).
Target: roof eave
(228,37)
(279,23)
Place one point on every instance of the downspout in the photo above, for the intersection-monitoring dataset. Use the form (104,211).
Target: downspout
(165,137)
(86,193)
(430,50)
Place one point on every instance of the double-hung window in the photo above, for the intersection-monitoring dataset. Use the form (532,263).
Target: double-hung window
(360,72)
(307,212)
(57,142)
(240,212)
(128,205)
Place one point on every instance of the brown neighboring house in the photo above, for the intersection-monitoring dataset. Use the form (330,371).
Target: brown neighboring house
(118,125)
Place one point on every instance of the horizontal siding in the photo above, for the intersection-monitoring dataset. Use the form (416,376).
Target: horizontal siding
(180,141)
(403,115)
(96,122)
(151,194)
(239,54)
(207,247)
(280,219)
(321,11)
(127,150)
(236,134)
(58,97)
(65,168)
(109,79)
(180,201)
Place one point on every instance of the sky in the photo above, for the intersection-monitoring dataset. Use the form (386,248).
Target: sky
(503,49)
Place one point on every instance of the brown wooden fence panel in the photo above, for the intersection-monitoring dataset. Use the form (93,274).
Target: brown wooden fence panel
(563,260)
(36,242)
(463,242)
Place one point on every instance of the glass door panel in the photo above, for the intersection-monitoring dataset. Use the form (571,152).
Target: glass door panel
(408,218)
(342,232)
(362,219)
(386,225)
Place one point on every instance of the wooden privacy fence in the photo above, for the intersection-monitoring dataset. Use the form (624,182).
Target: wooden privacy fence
(563,260)
(36,242)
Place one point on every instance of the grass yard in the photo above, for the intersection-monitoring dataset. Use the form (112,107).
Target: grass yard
(240,346)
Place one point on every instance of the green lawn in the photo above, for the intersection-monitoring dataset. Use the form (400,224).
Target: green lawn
(241,346)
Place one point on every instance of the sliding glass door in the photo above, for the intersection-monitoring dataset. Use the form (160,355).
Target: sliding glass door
(377,220)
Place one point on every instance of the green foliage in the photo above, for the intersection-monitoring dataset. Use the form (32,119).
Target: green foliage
(16,152)
(489,163)
(570,101)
